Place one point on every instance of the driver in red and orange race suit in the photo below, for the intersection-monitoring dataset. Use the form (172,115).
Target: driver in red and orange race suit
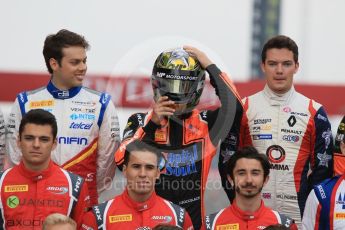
(188,138)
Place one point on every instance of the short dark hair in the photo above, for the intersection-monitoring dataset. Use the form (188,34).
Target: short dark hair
(138,145)
(276,227)
(166,227)
(248,152)
(280,42)
(54,44)
(38,117)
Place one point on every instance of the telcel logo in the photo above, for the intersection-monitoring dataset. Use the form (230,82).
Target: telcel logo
(80,125)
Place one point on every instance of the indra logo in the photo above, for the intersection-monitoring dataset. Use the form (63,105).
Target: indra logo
(292,121)
(275,154)
(12,201)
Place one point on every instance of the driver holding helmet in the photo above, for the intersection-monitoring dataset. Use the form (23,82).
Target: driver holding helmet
(188,138)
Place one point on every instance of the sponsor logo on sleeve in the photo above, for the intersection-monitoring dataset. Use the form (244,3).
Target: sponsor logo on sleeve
(320,117)
(127,134)
(322,192)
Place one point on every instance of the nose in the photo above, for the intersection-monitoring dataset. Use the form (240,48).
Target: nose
(249,178)
(279,68)
(36,143)
(142,172)
(82,66)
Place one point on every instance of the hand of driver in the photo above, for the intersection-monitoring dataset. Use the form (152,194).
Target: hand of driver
(162,108)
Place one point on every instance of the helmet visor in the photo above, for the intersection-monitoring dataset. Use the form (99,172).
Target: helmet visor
(178,85)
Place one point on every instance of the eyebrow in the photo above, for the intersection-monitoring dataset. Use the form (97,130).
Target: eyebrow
(29,135)
(144,164)
(252,170)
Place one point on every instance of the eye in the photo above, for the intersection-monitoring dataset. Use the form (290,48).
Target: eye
(28,138)
(256,173)
(240,173)
(74,62)
(150,167)
(136,166)
(45,139)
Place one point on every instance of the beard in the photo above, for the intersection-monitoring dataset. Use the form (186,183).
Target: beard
(250,194)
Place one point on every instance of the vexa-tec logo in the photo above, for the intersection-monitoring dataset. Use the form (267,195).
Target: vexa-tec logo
(276,155)
(12,201)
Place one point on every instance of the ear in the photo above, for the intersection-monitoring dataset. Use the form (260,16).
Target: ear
(266,180)
(230,180)
(158,173)
(297,67)
(53,64)
(124,170)
(54,144)
(18,142)
(262,65)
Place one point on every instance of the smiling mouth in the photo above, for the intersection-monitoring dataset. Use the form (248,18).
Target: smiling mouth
(80,77)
